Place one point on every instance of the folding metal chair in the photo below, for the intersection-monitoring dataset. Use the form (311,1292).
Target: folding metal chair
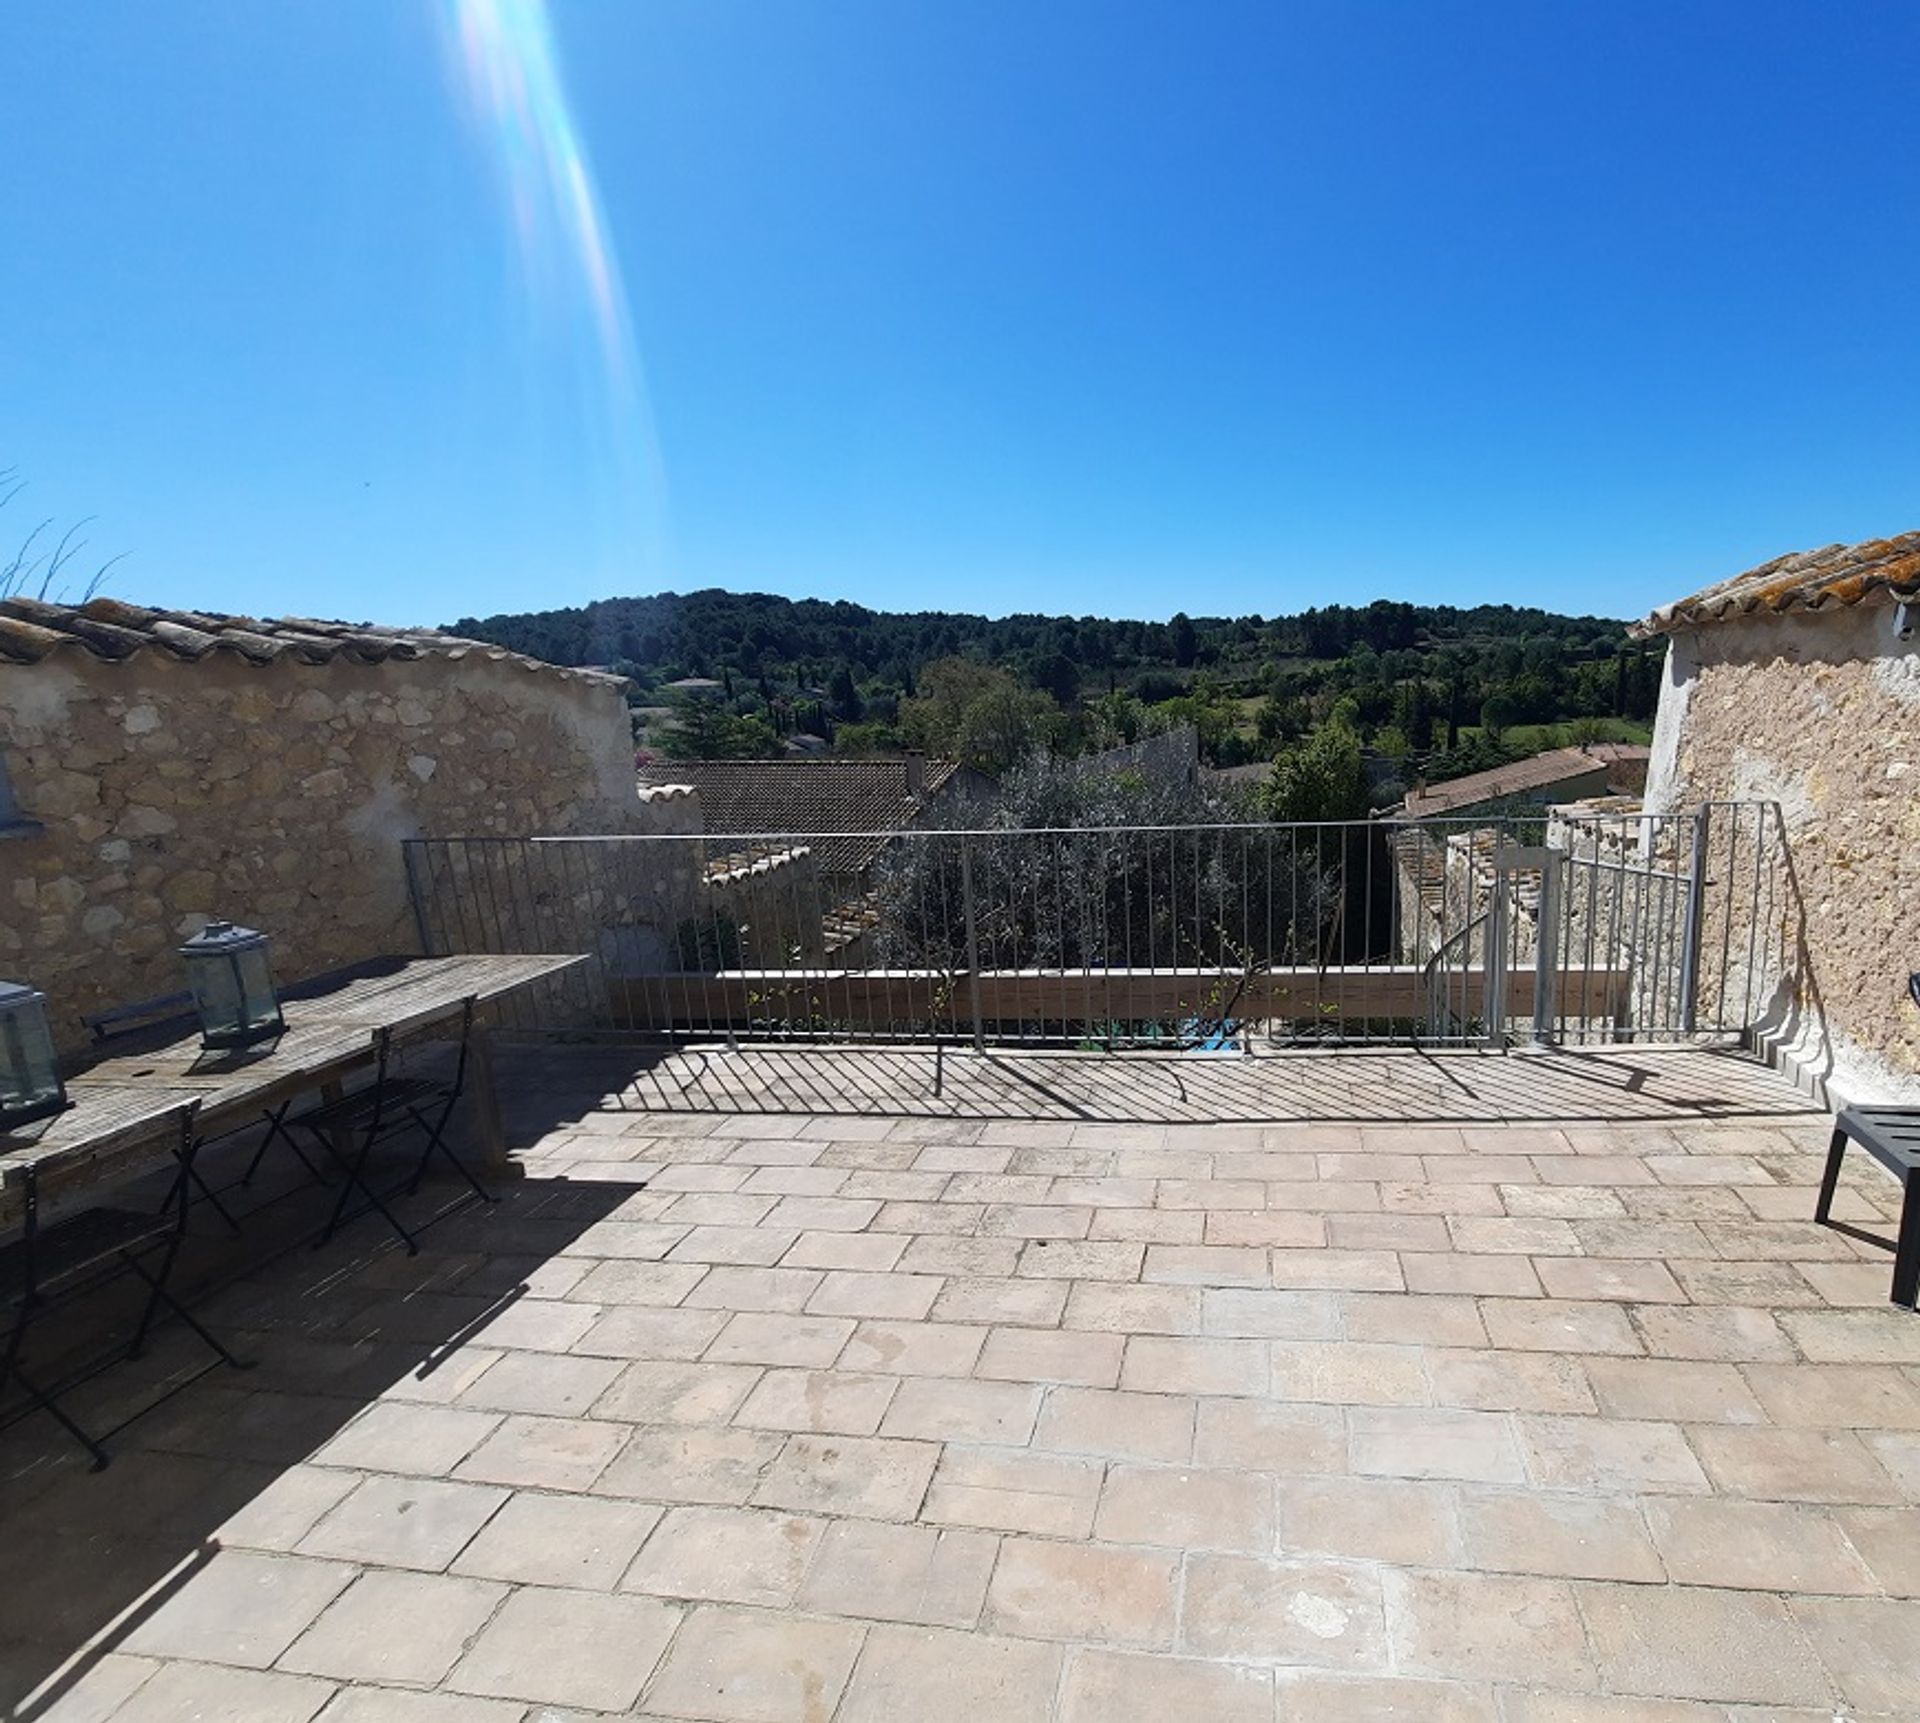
(392,1103)
(277,1131)
(50,1264)
(140,1020)
(125,1022)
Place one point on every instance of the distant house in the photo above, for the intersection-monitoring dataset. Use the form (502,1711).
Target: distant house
(805,798)
(1250,777)
(1173,756)
(162,767)
(697,688)
(1798,683)
(1542,780)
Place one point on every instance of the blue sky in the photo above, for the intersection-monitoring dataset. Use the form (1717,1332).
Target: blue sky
(1067,305)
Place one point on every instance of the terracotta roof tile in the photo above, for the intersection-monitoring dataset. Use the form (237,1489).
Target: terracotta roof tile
(1834,577)
(33,629)
(1536,772)
(788,798)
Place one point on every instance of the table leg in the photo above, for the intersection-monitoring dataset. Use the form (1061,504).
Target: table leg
(342,1141)
(495,1162)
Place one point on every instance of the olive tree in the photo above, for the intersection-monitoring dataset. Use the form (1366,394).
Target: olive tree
(1083,870)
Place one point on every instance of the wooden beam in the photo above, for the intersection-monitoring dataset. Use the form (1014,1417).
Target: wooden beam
(742,997)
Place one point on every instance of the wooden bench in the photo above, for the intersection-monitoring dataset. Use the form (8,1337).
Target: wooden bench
(1892,1136)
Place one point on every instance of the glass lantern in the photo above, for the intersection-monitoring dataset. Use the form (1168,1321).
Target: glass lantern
(30,1086)
(232,985)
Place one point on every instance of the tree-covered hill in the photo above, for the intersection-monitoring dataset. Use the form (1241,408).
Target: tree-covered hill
(755,634)
(1431,686)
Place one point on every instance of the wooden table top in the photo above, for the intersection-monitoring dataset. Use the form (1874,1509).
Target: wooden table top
(133,1099)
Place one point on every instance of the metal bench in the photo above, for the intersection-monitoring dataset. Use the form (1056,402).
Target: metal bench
(1892,1136)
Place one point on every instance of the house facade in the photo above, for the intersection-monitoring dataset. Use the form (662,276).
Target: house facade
(1798,683)
(162,768)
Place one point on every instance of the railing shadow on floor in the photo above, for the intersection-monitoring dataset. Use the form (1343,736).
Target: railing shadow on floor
(1357,1086)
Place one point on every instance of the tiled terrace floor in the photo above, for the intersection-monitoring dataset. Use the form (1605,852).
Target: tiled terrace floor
(752,1416)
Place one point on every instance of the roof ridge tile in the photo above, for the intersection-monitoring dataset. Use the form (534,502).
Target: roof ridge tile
(1829,577)
(32,629)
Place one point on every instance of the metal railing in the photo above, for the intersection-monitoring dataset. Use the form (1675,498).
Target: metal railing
(1545,926)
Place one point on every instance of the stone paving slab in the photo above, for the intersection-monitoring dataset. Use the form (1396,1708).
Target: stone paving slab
(749,1416)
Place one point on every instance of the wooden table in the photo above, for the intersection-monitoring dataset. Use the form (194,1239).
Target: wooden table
(127,1106)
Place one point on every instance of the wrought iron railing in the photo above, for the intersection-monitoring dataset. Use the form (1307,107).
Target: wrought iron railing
(1544,926)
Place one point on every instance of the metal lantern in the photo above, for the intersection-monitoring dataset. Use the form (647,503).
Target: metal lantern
(232,985)
(30,1086)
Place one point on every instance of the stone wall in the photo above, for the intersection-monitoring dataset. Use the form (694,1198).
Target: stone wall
(1821,715)
(773,904)
(657,902)
(629,904)
(159,793)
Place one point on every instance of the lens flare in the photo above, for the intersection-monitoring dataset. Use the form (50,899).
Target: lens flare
(506,61)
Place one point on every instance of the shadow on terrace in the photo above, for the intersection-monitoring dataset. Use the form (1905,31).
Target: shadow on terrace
(203,1455)
(811,1393)
(1360,1086)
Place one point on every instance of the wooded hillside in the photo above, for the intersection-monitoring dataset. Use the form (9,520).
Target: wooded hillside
(1438,688)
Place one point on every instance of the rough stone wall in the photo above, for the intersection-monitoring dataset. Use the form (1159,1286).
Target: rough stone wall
(1820,714)
(632,901)
(670,810)
(624,903)
(168,792)
(1427,918)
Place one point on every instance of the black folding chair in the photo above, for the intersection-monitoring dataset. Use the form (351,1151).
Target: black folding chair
(140,1020)
(51,1264)
(391,1104)
(277,1131)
